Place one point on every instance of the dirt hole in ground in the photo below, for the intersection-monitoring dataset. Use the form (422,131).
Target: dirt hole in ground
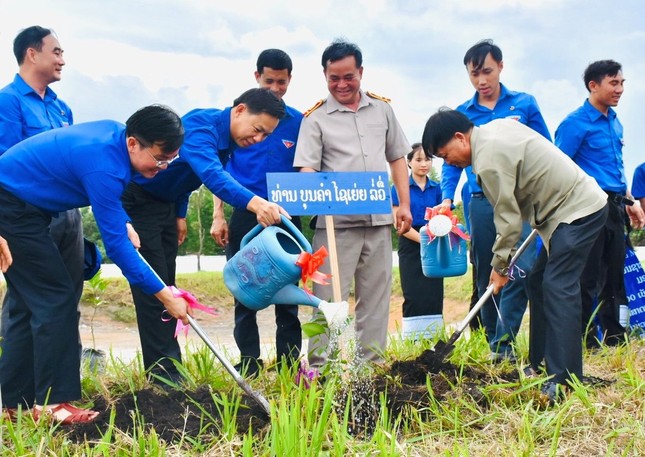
(180,413)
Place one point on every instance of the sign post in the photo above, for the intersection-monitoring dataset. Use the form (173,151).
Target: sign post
(328,194)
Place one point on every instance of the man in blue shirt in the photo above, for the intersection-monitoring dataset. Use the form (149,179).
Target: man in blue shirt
(27,107)
(638,184)
(492,100)
(88,164)
(157,207)
(249,166)
(592,136)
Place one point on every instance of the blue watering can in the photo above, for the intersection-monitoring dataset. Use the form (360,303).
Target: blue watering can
(443,256)
(264,271)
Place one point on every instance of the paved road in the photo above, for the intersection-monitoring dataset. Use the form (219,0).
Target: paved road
(188,264)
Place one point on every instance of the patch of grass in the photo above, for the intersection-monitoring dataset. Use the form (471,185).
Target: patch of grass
(501,418)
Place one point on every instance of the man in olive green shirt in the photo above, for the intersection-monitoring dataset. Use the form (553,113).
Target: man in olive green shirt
(527,178)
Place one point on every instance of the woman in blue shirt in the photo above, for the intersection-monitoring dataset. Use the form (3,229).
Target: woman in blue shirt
(422,296)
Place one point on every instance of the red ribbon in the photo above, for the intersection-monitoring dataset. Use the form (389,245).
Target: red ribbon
(309,263)
(193,303)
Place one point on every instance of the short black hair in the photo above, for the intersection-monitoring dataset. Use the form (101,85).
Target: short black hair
(441,128)
(260,101)
(156,125)
(31,37)
(276,59)
(478,52)
(596,71)
(339,49)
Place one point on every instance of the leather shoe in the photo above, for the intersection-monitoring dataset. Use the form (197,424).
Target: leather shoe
(553,392)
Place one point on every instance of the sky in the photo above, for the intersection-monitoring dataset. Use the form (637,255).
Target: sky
(122,55)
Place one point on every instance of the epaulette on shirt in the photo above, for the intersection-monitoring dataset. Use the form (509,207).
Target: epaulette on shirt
(318,104)
(378,97)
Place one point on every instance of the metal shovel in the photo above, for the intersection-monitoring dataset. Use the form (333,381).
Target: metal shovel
(443,350)
(259,398)
(230,368)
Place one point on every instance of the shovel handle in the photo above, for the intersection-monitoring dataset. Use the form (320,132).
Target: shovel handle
(230,368)
(489,290)
(238,379)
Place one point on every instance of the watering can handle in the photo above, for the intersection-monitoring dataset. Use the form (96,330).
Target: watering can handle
(304,243)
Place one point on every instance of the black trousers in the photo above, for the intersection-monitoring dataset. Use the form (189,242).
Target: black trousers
(603,279)
(39,330)
(288,332)
(422,296)
(555,300)
(156,223)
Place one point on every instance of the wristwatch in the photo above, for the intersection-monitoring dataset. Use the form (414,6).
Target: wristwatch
(502,271)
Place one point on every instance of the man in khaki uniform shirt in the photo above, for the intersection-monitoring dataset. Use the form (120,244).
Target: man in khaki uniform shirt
(527,178)
(355,131)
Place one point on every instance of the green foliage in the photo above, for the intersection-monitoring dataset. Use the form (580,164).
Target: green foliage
(198,219)
(311,329)
(637,237)
(91,230)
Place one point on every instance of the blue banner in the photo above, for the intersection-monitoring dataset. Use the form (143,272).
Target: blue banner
(635,289)
(306,194)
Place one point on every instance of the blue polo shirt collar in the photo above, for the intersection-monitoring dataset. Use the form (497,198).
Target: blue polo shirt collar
(26,89)
(594,114)
(429,183)
(503,93)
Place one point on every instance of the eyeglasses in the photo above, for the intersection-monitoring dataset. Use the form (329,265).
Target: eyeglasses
(161,163)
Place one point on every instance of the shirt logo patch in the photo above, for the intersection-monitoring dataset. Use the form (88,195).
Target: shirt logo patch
(515,118)
(288,144)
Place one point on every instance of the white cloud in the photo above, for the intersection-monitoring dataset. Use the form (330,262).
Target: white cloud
(198,53)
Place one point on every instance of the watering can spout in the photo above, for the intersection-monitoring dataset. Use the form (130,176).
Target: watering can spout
(335,313)
(294,295)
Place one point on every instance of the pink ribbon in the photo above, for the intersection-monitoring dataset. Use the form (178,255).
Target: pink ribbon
(192,303)
(455,232)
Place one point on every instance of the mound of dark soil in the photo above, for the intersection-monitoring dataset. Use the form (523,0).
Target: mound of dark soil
(171,414)
(179,413)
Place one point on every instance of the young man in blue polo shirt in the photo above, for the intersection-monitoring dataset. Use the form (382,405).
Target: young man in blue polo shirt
(492,100)
(88,164)
(158,207)
(249,166)
(592,136)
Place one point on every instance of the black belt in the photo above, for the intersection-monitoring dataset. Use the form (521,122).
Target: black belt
(618,199)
